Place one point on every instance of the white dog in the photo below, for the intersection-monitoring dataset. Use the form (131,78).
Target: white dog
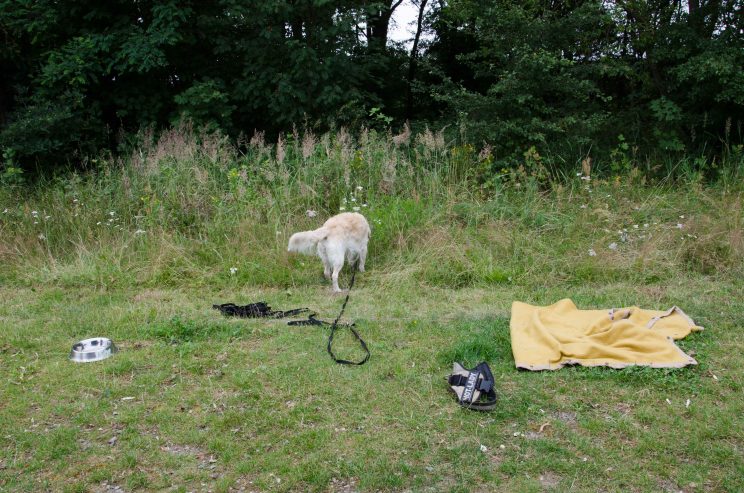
(342,236)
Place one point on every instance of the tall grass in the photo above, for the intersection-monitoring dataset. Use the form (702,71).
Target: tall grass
(189,206)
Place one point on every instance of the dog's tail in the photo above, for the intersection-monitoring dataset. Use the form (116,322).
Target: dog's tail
(306,241)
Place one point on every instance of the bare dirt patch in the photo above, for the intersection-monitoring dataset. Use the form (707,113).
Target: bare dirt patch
(549,480)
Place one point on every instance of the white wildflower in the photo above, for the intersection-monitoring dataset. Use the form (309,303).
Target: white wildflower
(635,226)
(34,213)
(139,232)
(585,178)
(98,223)
(46,218)
(645,225)
(355,209)
(36,222)
(483,449)
(668,401)
(112,213)
(612,246)
(578,174)
(360,188)
(502,446)
(311,213)
(342,208)
(42,237)
(353,199)
(680,225)
(583,206)
(233,270)
(364,205)
(592,253)
(687,403)
(74,201)
(5,211)
(682,216)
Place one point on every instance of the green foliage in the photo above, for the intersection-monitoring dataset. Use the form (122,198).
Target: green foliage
(78,72)
(564,77)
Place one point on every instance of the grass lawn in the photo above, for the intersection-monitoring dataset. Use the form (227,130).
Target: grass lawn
(140,250)
(196,402)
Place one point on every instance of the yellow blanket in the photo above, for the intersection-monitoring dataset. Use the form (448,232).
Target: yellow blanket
(550,337)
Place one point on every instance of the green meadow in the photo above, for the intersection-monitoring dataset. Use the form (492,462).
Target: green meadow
(140,250)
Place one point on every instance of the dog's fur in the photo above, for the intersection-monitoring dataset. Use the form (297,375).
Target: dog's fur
(342,236)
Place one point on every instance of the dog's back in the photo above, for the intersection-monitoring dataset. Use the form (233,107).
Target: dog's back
(348,226)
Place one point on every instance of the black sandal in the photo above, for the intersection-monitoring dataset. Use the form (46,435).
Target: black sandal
(474,388)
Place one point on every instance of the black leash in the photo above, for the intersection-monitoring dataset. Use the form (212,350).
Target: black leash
(311,320)
(262,310)
(256,310)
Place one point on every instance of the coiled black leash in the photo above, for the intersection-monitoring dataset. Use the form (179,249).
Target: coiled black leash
(256,310)
(311,320)
(262,310)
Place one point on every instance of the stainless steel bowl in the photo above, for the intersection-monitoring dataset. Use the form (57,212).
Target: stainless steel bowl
(94,349)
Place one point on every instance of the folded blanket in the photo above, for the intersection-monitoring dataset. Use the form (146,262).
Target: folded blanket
(550,337)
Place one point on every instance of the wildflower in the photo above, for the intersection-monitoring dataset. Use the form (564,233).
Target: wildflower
(680,225)
(592,253)
(5,211)
(360,188)
(585,178)
(34,213)
(612,246)
(311,213)
(74,201)
(483,449)
(98,223)
(355,209)
(233,270)
(42,237)
(36,222)
(364,205)
(112,213)
(47,217)
(583,206)
(645,225)
(578,174)
(682,216)
(353,199)
(342,208)
(635,226)
(139,232)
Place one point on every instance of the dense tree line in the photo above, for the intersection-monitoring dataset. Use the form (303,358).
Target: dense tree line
(568,77)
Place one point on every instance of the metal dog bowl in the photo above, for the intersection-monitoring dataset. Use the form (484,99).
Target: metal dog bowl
(94,349)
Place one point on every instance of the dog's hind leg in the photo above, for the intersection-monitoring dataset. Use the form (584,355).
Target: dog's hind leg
(323,254)
(335,255)
(362,257)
